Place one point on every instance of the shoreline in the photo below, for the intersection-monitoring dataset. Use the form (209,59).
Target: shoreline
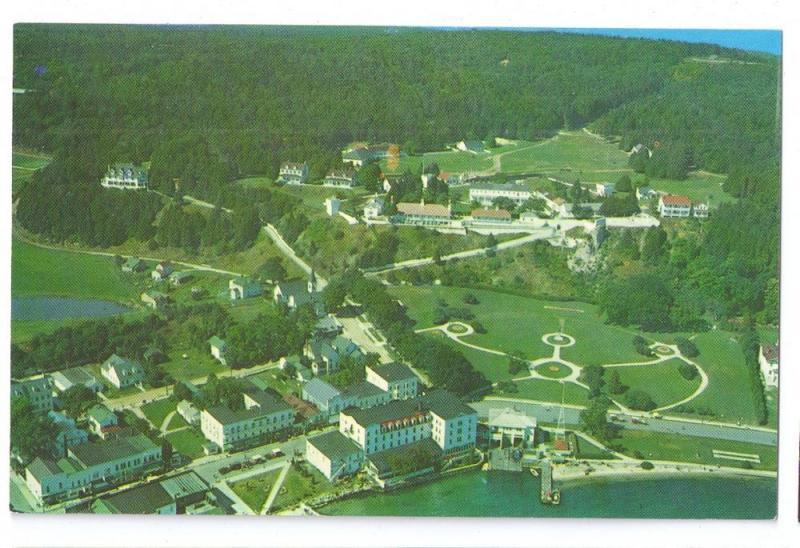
(616,470)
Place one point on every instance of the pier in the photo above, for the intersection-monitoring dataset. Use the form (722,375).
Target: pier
(548,494)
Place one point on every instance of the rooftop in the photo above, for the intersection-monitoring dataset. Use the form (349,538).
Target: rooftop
(427,210)
(184,484)
(101,413)
(267,405)
(145,499)
(676,200)
(76,375)
(383,460)
(770,351)
(320,390)
(491,213)
(362,389)
(440,402)
(334,445)
(94,453)
(499,186)
(510,418)
(393,372)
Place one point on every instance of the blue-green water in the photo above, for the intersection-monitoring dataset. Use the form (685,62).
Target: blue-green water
(62,308)
(502,494)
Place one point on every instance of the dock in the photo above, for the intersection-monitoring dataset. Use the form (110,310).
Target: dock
(548,494)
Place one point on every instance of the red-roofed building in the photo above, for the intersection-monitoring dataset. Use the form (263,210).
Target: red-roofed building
(674,206)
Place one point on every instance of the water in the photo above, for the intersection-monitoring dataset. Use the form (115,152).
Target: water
(503,494)
(62,308)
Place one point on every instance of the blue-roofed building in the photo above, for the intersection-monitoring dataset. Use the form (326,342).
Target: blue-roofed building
(326,397)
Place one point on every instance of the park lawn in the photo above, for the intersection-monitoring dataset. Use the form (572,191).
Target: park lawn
(575,150)
(255,182)
(699,187)
(553,370)
(255,490)
(452,161)
(314,196)
(728,393)
(518,323)
(187,442)
(586,450)
(675,447)
(176,422)
(36,271)
(401,164)
(297,487)
(543,390)
(493,367)
(661,381)
(198,363)
(157,411)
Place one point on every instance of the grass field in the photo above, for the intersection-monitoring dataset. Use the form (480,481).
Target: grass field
(518,323)
(692,449)
(541,390)
(575,150)
(297,487)
(157,411)
(255,182)
(701,187)
(36,271)
(198,363)
(586,450)
(553,370)
(255,490)
(273,379)
(176,422)
(661,381)
(187,442)
(493,367)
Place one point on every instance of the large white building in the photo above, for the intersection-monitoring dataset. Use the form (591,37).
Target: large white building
(91,465)
(674,206)
(395,378)
(340,178)
(261,414)
(334,454)
(486,193)
(374,208)
(438,415)
(768,364)
(125,176)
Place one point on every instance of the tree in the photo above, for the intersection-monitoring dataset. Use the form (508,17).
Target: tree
(654,245)
(592,376)
(640,400)
(334,295)
(615,385)
(594,419)
(687,347)
(515,363)
(31,433)
(688,371)
(641,346)
(182,392)
(77,399)
(470,298)
(623,184)
(271,269)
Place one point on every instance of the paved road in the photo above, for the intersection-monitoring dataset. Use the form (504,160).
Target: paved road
(548,412)
(415,263)
(287,250)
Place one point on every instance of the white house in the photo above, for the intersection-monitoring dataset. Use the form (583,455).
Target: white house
(162,271)
(332,206)
(340,178)
(124,176)
(374,208)
(512,425)
(470,145)
(700,210)
(189,412)
(243,288)
(768,364)
(218,349)
(674,206)
(232,428)
(334,454)
(38,391)
(299,292)
(604,190)
(122,372)
(102,420)
(486,193)
(76,376)
(395,378)
(293,173)
(645,193)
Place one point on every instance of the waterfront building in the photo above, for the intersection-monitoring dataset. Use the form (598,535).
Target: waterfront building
(262,414)
(395,378)
(511,425)
(150,498)
(334,454)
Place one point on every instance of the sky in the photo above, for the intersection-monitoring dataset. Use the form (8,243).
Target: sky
(768,41)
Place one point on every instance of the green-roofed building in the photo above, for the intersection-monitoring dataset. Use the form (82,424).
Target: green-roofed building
(151,498)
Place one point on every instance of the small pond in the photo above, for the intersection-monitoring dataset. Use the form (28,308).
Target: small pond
(62,308)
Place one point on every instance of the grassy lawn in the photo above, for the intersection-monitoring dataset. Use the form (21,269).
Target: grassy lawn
(23,330)
(705,187)
(573,150)
(518,323)
(661,381)
(298,486)
(187,442)
(198,363)
(176,422)
(255,182)
(728,392)
(586,450)
(693,449)
(158,410)
(553,370)
(493,367)
(541,390)
(255,490)
(28,160)
(36,271)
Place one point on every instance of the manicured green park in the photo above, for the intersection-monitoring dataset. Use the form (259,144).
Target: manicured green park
(157,411)
(574,150)
(299,485)
(661,381)
(255,490)
(187,442)
(546,390)
(553,370)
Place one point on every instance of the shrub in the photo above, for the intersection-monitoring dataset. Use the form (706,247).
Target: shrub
(640,344)
(647,465)
(515,366)
(687,347)
(640,400)
(469,298)
(688,371)
(478,327)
